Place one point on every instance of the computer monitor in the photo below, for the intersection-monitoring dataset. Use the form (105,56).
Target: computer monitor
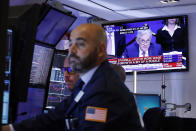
(42,58)
(5,109)
(7,80)
(162,52)
(57,88)
(22,20)
(146,101)
(33,105)
(53,25)
(36,29)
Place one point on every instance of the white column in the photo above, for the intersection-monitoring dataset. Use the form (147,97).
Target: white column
(135,82)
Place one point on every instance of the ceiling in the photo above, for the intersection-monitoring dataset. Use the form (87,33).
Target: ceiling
(124,9)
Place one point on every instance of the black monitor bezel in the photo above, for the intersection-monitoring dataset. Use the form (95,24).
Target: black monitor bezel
(45,10)
(120,22)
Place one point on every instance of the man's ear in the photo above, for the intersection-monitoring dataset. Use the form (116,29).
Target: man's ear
(137,41)
(102,49)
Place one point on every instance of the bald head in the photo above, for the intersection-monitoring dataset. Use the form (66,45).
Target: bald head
(94,31)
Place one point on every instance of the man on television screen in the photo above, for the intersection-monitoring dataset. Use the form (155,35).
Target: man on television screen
(143,46)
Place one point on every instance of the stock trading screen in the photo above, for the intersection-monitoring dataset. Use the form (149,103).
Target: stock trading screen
(42,58)
(57,88)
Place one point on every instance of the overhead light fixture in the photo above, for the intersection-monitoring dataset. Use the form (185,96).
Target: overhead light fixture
(169,1)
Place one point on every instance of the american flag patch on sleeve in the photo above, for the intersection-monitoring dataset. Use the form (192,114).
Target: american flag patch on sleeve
(96,114)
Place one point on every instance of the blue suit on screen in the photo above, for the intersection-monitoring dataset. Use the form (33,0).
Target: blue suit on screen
(133,50)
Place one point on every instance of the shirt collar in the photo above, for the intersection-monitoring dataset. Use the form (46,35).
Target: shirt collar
(166,28)
(88,75)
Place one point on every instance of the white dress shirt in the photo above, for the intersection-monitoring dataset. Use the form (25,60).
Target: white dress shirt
(141,53)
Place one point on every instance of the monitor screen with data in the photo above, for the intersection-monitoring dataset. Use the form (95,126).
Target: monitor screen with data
(42,58)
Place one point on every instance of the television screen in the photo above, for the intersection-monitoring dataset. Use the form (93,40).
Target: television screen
(156,44)
(146,101)
(53,26)
(42,58)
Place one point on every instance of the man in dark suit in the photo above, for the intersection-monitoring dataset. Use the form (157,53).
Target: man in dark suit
(101,103)
(143,46)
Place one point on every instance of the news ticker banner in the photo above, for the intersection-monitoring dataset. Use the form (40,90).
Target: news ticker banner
(165,61)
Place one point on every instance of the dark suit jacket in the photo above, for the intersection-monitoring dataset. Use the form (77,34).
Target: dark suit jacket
(174,43)
(105,90)
(133,50)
